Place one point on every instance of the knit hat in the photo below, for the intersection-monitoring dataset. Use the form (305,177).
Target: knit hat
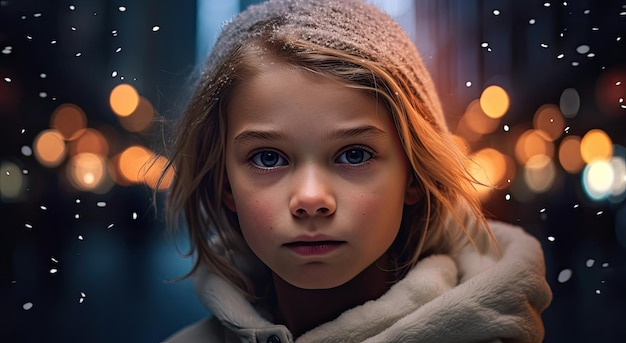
(352,26)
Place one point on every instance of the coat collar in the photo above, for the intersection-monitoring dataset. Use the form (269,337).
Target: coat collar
(464,298)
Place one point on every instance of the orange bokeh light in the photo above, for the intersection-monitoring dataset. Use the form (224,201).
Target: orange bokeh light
(141,118)
(477,120)
(154,170)
(550,121)
(490,169)
(596,145)
(124,99)
(494,101)
(461,143)
(137,164)
(132,162)
(91,141)
(569,154)
(87,171)
(50,148)
(531,143)
(69,120)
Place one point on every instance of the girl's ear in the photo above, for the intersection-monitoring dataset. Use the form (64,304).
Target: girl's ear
(413,193)
(227,196)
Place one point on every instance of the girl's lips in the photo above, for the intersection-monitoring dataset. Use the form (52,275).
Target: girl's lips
(314,248)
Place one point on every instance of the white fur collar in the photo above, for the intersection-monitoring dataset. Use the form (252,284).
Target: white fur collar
(499,297)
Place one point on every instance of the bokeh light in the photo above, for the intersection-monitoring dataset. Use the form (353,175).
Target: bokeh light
(137,165)
(69,120)
(153,171)
(618,188)
(12,181)
(124,99)
(489,169)
(494,101)
(132,163)
(597,178)
(461,143)
(569,155)
(596,145)
(50,148)
(569,103)
(465,132)
(530,143)
(549,121)
(91,141)
(476,120)
(88,172)
(539,173)
(140,119)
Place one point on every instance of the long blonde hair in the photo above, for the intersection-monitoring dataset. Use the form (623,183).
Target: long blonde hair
(450,210)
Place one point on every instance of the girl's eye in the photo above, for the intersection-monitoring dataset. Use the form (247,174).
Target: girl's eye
(268,159)
(354,156)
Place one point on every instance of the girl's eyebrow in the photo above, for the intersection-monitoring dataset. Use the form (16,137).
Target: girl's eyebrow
(250,135)
(363,130)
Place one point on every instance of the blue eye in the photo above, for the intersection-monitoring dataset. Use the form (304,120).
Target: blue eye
(354,156)
(268,159)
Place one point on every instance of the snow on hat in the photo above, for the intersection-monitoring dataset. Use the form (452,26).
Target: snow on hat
(352,26)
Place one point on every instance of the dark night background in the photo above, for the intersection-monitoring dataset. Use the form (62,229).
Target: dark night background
(112,256)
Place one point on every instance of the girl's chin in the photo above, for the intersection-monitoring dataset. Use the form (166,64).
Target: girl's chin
(316,283)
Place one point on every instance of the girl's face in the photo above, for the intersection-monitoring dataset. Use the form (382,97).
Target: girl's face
(317,175)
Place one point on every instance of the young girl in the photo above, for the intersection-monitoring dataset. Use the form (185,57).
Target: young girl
(326,200)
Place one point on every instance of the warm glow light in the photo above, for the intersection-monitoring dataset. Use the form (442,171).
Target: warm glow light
(531,143)
(494,101)
(597,178)
(69,120)
(461,143)
(569,154)
(549,120)
(87,171)
(132,163)
(596,145)
(115,171)
(463,131)
(91,141)
(153,171)
(489,169)
(511,171)
(124,99)
(477,120)
(11,181)
(50,148)
(141,118)
(539,173)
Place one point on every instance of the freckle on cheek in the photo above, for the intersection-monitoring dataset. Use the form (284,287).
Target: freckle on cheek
(263,215)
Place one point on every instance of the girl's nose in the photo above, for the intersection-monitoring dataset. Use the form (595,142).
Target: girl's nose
(312,195)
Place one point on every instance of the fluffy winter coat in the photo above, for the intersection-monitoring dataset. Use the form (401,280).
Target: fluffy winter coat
(497,297)
(466,297)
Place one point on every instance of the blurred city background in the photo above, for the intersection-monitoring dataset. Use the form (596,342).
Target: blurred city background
(534,91)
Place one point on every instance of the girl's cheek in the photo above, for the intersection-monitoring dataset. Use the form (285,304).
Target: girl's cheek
(366,208)
(258,215)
